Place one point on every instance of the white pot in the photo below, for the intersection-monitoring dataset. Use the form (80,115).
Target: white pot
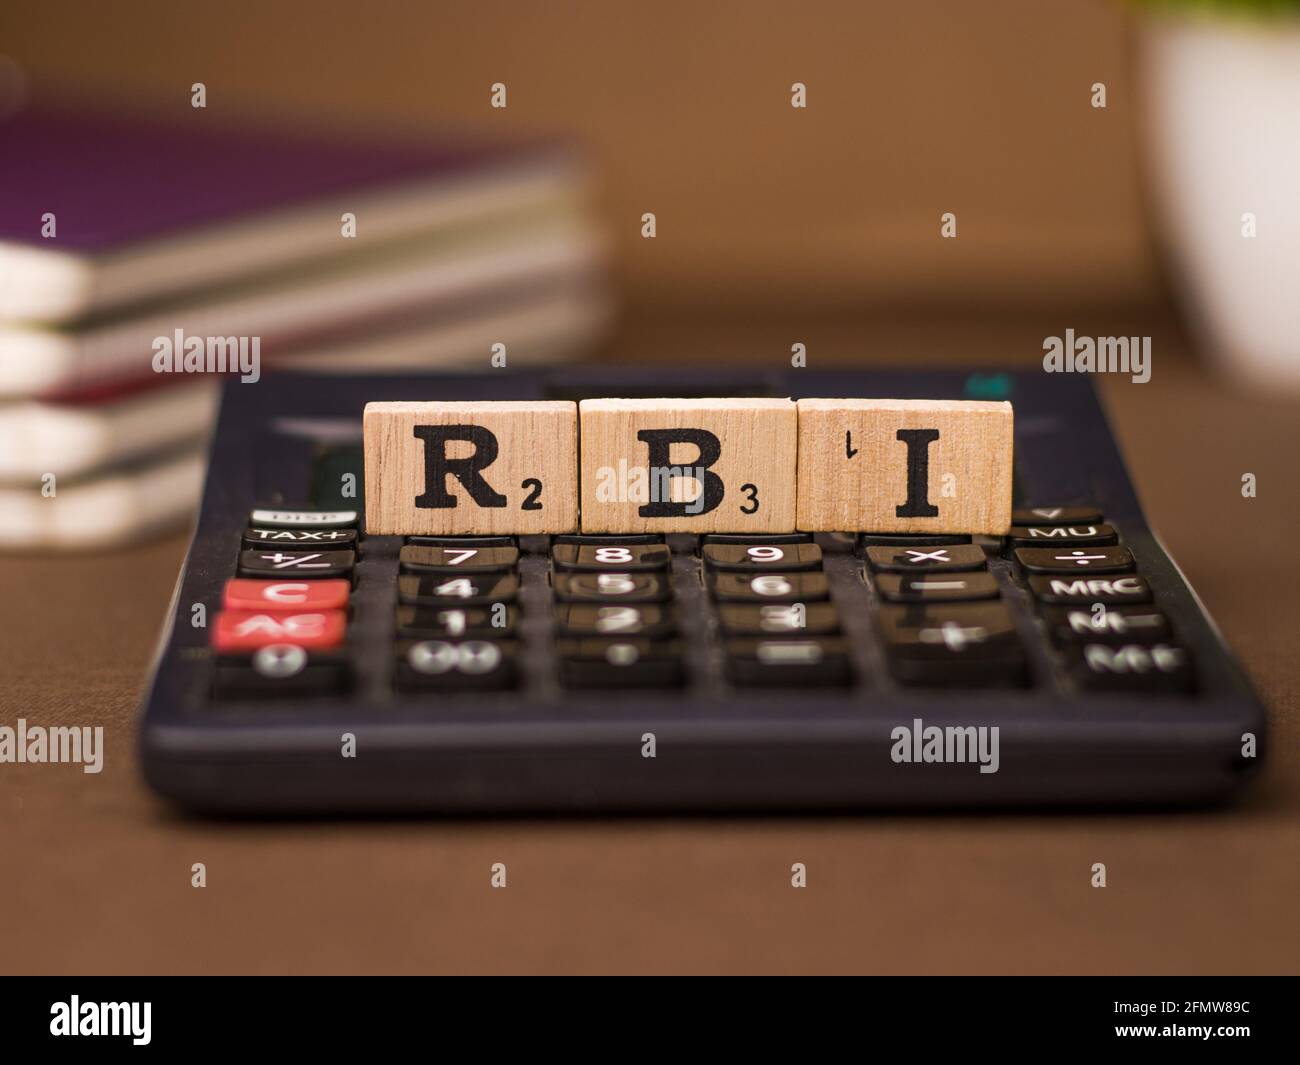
(1223,125)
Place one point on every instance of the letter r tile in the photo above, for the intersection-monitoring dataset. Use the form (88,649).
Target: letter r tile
(688,465)
(904,466)
(452,469)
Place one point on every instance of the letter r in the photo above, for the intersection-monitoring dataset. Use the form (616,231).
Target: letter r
(467,470)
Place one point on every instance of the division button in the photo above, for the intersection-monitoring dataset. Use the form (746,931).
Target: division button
(1075,560)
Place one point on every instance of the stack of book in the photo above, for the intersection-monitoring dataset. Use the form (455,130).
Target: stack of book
(139,260)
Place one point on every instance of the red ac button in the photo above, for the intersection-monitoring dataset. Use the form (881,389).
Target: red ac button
(241,631)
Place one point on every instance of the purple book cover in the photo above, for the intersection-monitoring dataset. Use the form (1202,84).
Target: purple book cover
(114,181)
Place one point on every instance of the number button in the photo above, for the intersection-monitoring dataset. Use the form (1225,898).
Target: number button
(587,619)
(610,557)
(779,619)
(456,665)
(418,558)
(455,622)
(281,670)
(604,587)
(620,663)
(762,556)
(296,564)
(769,587)
(447,589)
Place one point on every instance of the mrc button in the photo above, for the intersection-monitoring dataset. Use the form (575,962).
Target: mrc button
(1072,591)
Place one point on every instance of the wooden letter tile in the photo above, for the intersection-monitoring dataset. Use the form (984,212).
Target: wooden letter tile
(688,465)
(453,469)
(904,465)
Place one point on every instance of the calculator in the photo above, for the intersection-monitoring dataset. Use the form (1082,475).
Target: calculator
(1067,664)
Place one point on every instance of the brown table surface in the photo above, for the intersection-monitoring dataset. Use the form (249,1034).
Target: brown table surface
(95,873)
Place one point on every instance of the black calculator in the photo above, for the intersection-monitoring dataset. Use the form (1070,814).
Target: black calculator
(1066,664)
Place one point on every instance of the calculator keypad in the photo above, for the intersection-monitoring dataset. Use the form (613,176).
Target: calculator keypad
(605,613)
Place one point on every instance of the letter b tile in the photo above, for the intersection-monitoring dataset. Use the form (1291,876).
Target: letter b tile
(908,466)
(688,465)
(451,469)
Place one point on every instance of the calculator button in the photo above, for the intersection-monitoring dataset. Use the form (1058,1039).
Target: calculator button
(304,519)
(455,622)
(462,541)
(417,558)
(607,558)
(588,619)
(928,559)
(281,670)
(1088,590)
(235,631)
(456,665)
(1055,516)
(757,538)
(1078,535)
(620,663)
(943,629)
(1076,559)
(935,587)
(1115,624)
(1131,667)
(762,556)
(600,540)
(965,645)
(285,596)
(808,661)
(603,587)
(769,587)
(866,540)
(449,589)
(778,619)
(264,562)
(334,539)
